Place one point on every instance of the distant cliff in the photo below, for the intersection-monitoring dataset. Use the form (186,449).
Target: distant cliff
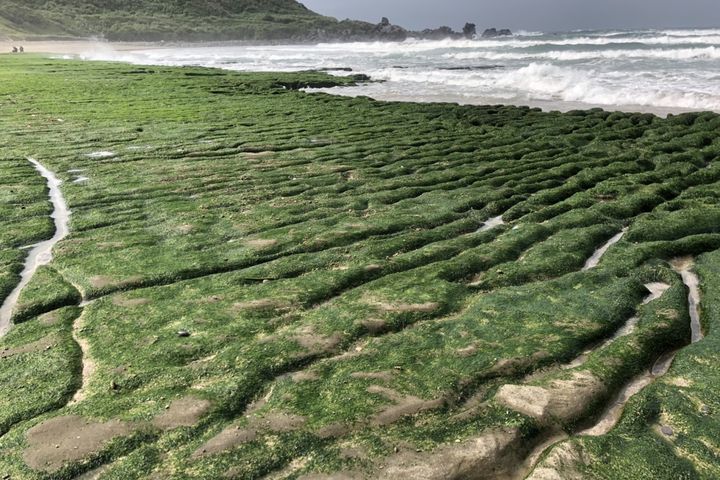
(194,20)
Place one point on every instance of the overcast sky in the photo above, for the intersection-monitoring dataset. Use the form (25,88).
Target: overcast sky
(546,15)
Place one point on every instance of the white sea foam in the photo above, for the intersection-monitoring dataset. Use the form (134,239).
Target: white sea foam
(555,84)
(552,82)
(655,70)
(705,53)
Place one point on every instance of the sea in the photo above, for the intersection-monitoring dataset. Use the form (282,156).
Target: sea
(657,71)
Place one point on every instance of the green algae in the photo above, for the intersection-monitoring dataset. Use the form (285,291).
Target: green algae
(39,364)
(47,291)
(323,255)
(683,400)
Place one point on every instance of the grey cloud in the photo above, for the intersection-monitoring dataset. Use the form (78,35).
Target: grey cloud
(546,15)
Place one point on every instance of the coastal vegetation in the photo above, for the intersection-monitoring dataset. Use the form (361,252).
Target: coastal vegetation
(265,283)
(182,20)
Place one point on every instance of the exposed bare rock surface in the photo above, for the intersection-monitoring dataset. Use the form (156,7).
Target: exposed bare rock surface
(55,442)
(490,456)
(562,401)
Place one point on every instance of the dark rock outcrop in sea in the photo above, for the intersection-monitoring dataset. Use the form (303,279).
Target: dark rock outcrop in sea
(439,33)
(387,31)
(357,31)
(470,30)
(494,32)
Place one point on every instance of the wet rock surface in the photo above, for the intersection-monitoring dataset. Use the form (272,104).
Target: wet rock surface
(321,252)
(494,32)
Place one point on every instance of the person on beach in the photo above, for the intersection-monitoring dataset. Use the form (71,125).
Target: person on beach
(22,50)
(14,50)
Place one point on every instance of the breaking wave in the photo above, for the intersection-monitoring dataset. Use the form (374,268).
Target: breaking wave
(706,53)
(554,84)
(655,70)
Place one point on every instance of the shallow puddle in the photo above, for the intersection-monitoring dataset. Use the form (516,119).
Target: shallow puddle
(613,413)
(684,266)
(594,260)
(492,223)
(100,154)
(41,253)
(656,290)
(536,454)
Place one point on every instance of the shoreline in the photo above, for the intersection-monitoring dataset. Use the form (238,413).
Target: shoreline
(102,50)
(545,106)
(73,47)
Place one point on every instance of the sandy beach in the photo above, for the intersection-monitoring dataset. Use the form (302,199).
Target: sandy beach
(73,47)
